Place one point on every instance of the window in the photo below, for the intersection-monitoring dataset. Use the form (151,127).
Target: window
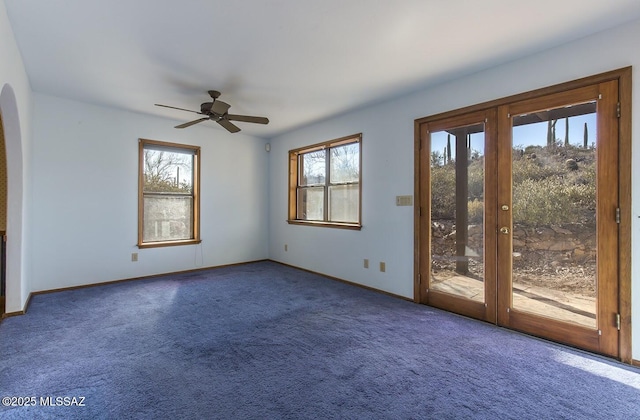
(324,183)
(168,194)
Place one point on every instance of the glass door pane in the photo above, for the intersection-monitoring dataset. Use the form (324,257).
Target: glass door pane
(554,213)
(457,211)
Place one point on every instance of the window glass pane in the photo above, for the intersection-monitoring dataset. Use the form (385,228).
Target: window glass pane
(311,203)
(324,182)
(345,163)
(167,218)
(554,166)
(313,168)
(457,211)
(343,203)
(168,172)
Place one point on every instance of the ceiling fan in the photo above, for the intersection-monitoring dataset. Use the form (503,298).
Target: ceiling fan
(217,111)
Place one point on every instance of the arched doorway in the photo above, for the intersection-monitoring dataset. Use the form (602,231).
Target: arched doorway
(15,288)
(3,221)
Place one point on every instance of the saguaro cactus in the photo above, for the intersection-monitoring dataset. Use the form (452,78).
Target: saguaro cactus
(586,136)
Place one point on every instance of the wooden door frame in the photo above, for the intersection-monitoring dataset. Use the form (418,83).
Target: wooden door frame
(623,76)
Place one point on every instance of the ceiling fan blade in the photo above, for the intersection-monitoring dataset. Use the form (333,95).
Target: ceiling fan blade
(190,123)
(248,118)
(220,107)
(181,109)
(232,128)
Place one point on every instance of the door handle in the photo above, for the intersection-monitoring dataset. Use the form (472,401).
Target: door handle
(504,230)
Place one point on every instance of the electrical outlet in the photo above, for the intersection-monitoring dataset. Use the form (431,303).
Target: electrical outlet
(383,266)
(134,256)
(366,263)
(286,247)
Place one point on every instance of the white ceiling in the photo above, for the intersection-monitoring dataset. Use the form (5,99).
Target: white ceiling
(293,61)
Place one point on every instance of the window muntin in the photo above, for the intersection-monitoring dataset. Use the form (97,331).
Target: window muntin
(324,184)
(168,194)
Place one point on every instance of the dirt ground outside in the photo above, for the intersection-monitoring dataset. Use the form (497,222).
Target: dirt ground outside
(560,258)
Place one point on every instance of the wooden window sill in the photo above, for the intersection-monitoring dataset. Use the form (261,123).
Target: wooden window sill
(336,225)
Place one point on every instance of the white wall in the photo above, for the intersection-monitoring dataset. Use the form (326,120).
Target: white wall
(387,169)
(15,108)
(85,195)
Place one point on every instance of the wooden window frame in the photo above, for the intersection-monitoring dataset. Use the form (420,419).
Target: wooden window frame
(294,183)
(195,233)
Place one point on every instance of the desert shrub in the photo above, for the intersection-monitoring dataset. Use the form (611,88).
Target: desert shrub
(443,192)
(476,180)
(532,149)
(535,169)
(551,201)
(476,210)
(586,175)
(443,189)
(544,192)
(582,195)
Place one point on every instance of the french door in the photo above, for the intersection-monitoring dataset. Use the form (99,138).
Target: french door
(518,215)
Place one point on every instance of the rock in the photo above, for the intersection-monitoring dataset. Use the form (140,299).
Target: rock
(562,246)
(541,245)
(558,229)
(518,243)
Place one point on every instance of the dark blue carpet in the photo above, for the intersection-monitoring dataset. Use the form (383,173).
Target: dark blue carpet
(265,341)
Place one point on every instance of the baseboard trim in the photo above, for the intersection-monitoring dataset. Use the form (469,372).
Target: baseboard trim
(362,286)
(18,313)
(634,362)
(105,283)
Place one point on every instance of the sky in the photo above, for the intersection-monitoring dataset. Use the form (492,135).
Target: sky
(526,135)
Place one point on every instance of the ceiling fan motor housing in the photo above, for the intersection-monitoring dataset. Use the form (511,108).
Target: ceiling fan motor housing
(205,108)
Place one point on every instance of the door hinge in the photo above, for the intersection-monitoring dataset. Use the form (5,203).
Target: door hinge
(419,279)
(618,321)
(618,215)
(420,211)
(618,109)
